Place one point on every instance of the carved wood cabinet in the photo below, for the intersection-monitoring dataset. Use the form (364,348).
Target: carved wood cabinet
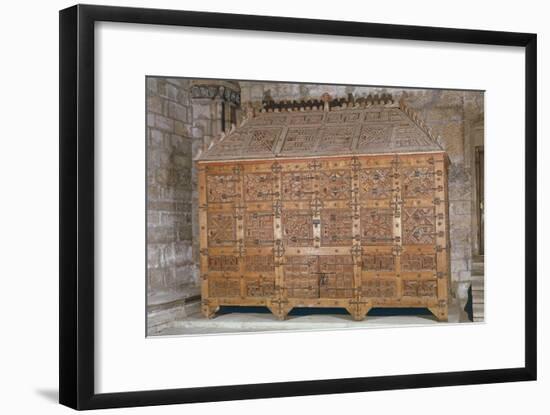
(299,211)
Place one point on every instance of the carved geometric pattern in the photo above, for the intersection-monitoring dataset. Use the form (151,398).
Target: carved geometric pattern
(336,276)
(374,137)
(409,137)
(262,139)
(376,226)
(335,138)
(299,139)
(301,279)
(258,228)
(266,121)
(336,227)
(419,288)
(221,229)
(259,263)
(335,185)
(221,188)
(418,225)
(258,186)
(342,117)
(376,183)
(375,288)
(417,182)
(229,263)
(377,116)
(224,287)
(298,185)
(418,262)
(232,145)
(306,119)
(260,287)
(378,262)
(297,228)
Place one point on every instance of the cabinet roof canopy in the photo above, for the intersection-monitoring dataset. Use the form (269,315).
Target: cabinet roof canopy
(325,127)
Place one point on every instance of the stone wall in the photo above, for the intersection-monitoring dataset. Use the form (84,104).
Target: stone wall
(170,266)
(458,118)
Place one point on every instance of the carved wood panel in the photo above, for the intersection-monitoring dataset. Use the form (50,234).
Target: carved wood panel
(377,226)
(301,278)
(224,287)
(419,288)
(262,139)
(258,228)
(335,184)
(418,225)
(378,262)
(221,188)
(298,228)
(259,264)
(336,276)
(418,261)
(221,229)
(223,263)
(335,138)
(417,182)
(346,231)
(259,187)
(336,227)
(298,185)
(299,139)
(261,286)
(376,183)
(378,288)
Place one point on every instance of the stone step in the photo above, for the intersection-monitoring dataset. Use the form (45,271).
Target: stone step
(479,309)
(478,258)
(478,268)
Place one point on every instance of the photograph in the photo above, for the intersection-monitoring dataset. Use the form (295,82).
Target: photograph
(276,206)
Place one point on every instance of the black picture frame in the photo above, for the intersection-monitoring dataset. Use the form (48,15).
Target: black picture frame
(76,279)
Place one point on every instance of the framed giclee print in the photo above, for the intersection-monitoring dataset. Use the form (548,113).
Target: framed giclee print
(262,206)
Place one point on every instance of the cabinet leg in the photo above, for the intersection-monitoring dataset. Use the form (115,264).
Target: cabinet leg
(440,312)
(280,312)
(209,311)
(358,313)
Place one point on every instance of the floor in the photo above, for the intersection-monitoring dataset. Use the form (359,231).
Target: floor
(238,322)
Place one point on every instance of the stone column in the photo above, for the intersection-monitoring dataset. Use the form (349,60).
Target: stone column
(216,106)
(168,184)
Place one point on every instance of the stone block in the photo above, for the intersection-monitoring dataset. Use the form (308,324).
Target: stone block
(460,207)
(165,176)
(184,231)
(184,252)
(185,274)
(184,97)
(152,86)
(153,191)
(181,144)
(164,123)
(160,278)
(153,218)
(177,111)
(459,265)
(161,234)
(171,91)
(161,205)
(150,120)
(154,104)
(182,129)
(154,253)
(156,137)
